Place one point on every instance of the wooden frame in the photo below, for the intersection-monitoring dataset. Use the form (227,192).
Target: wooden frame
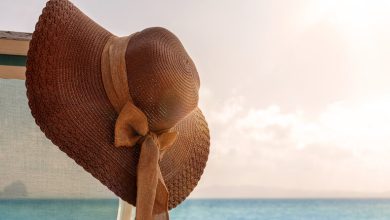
(13,54)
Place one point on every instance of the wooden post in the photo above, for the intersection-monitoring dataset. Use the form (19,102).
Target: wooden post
(125,210)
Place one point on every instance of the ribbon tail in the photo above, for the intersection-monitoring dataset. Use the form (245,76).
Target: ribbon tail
(147,179)
(160,209)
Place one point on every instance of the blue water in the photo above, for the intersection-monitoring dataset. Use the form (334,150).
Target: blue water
(269,209)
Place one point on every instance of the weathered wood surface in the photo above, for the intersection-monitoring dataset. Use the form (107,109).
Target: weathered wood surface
(12,72)
(14,43)
(12,35)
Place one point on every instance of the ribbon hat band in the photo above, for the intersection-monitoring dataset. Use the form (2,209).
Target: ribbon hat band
(131,128)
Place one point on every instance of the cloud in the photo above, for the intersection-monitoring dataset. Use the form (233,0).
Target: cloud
(344,148)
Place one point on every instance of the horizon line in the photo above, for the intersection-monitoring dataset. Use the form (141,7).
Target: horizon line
(208,198)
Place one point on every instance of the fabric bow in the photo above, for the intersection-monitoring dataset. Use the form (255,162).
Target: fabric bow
(131,128)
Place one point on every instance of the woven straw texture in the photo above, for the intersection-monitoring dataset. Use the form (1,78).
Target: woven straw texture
(68,101)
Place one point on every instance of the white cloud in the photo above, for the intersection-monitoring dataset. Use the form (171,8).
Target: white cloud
(344,148)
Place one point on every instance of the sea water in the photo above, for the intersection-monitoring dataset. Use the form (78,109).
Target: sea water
(203,209)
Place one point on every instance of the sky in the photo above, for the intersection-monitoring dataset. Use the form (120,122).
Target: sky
(295,93)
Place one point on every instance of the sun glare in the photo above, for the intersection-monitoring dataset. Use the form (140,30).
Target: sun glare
(354,18)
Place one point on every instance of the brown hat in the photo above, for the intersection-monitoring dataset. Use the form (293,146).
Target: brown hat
(74,105)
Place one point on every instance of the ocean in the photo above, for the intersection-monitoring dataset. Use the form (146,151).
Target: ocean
(203,209)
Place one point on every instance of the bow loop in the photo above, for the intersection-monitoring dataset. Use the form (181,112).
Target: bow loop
(166,140)
(130,126)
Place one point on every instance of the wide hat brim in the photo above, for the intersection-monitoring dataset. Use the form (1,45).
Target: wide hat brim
(68,101)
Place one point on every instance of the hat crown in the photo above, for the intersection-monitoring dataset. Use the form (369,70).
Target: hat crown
(163,80)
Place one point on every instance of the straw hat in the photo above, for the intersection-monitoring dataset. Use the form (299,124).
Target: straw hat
(72,104)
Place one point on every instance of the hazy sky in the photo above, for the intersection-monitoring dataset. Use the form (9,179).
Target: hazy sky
(296,93)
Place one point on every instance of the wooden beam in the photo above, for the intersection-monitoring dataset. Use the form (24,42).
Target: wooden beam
(13,72)
(14,43)
(14,47)
(13,35)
